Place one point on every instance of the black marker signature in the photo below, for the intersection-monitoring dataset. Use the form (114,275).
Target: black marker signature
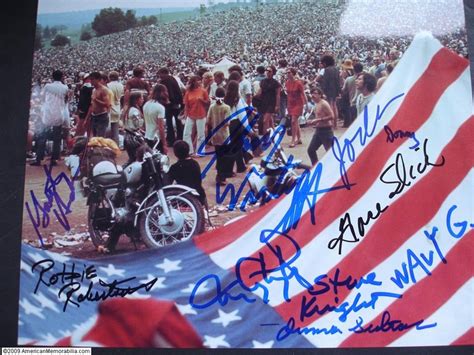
(71,282)
(39,212)
(401,179)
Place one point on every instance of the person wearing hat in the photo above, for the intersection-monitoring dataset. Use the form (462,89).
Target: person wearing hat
(347,69)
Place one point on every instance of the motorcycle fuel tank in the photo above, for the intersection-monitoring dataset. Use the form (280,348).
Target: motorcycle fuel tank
(133,173)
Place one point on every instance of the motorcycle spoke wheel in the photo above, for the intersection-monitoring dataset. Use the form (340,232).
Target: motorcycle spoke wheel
(188,220)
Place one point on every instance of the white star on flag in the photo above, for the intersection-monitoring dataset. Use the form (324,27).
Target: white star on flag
(58,257)
(190,288)
(110,270)
(45,302)
(186,309)
(25,267)
(215,342)
(36,257)
(258,345)
(168,265)
(158,283)
(226,318)
(31,309)
(48,339)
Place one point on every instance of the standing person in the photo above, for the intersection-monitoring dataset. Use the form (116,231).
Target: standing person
(348,95)
(154,113)
(366,84)
(296,102)
(331,84)
(116,88)
(134,123)
(280,76)
(207,80)
(270,97)
(196,102)
(219,79)
(256,99)
(100,106)
(236,126)
(173,108)
(54,107)
(85,98)
(245,87)
(217,114)
(323,122)
(137,83)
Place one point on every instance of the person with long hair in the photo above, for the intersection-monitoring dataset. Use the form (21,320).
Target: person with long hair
(133,122)
(236,127)
(154,113)
(196,103)
(269,96)
(295,104)
(219,131)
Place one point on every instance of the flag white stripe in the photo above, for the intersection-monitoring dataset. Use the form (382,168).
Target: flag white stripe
(418,243)
(453,319)
(443,124)
(412,65)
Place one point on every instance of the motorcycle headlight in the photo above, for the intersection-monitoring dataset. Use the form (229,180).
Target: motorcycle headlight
(165,163)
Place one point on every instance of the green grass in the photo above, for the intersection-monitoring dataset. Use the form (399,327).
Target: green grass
(75,34)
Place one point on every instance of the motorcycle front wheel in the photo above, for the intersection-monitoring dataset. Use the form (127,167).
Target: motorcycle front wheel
(188,219)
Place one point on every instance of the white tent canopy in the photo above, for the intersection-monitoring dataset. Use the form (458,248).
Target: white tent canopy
(223,65)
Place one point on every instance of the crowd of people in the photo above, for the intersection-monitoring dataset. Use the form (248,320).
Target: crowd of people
(292,60)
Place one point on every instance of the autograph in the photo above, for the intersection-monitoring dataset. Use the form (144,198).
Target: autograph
(391,136)
(362,133)
(71,283)
(398,177)
(39,212)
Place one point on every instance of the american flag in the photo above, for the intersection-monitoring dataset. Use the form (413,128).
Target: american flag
(412,262)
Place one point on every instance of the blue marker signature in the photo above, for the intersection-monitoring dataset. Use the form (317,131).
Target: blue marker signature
(237,289)
(388,325)
(406,273)
(347,151)
(39,212)
(391,136)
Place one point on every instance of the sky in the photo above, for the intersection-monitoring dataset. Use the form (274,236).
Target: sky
(52,6)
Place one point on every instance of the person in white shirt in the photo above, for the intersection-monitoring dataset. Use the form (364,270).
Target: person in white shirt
(54,108)
(117,90)
(245,87)
(366,84)
(154,112)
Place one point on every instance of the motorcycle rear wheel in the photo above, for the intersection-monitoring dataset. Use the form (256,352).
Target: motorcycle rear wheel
(188,219)
(99,236)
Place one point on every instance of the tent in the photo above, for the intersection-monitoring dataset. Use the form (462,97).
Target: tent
(223,65)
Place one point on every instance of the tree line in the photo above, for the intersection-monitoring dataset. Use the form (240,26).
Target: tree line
(107,21)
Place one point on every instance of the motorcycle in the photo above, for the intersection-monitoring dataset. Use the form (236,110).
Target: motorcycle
(276,173)
(136,201)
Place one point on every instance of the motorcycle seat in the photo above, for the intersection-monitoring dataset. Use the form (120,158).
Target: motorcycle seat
(109,179)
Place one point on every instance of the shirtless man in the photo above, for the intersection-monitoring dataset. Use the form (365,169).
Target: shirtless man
(323,123)
(100,106)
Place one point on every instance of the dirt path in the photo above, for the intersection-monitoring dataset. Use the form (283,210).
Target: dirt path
(72,242)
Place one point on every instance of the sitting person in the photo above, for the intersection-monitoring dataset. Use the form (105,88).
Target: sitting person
(186,171)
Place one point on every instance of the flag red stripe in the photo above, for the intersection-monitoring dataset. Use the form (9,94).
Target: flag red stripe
(465,339)
(221,237)
(423,298)
(379,243)
(416,108)
(443,69)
